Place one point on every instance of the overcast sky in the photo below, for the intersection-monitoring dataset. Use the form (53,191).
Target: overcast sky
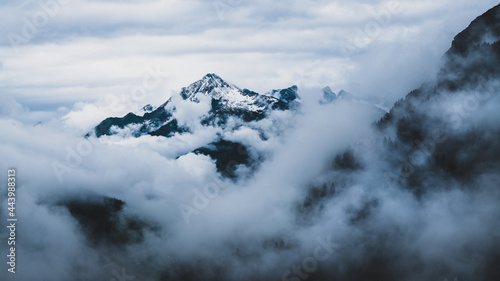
(71,51)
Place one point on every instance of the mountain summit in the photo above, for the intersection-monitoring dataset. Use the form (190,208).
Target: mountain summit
(226,101)
(210,85)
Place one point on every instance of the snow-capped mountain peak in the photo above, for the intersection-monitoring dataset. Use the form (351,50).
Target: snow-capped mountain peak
(225,94)
(210,85)
(227,100)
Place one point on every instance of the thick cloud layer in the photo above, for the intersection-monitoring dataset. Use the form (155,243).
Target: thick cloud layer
(168,195)
(314,209)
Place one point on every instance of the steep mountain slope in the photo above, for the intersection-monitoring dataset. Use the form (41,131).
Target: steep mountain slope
(448,112)
(427,179)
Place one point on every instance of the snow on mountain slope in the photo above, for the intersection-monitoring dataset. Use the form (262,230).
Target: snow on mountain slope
(214,87)
(226,101)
